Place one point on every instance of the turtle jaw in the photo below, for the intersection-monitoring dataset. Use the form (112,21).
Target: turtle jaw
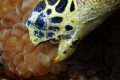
(66,47)
(64,51)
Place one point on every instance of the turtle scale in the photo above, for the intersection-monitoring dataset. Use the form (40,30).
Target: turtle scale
(53,19)
(67,20)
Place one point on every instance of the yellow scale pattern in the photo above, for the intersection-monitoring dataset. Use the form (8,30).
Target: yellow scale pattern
(88,14)
(69,18)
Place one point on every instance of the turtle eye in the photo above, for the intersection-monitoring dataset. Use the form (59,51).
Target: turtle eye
(40,22)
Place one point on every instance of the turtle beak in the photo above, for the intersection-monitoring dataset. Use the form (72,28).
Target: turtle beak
(66,48)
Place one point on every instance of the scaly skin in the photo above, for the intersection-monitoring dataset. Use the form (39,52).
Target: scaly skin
(75,19)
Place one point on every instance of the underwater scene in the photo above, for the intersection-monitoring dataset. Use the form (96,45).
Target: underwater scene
(42,40)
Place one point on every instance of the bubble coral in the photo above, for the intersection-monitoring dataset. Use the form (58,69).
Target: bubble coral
(20,59)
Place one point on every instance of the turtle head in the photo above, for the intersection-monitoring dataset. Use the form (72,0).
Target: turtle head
(68,21)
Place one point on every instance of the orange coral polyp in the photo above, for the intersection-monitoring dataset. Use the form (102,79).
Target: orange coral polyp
(20,59)
(19,56)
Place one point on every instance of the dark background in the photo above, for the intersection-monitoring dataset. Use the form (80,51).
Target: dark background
(99,52)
